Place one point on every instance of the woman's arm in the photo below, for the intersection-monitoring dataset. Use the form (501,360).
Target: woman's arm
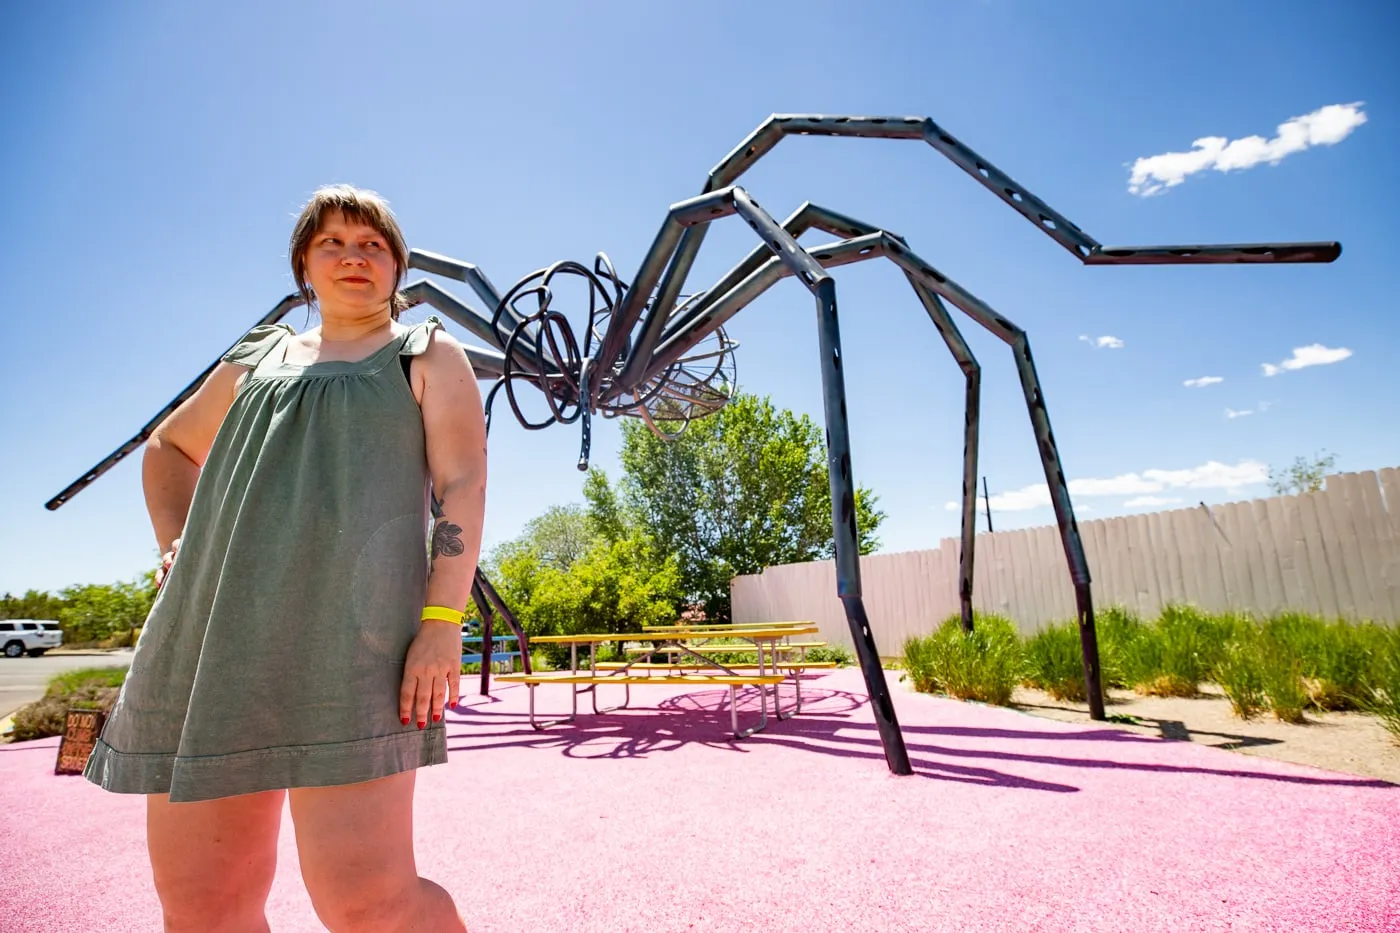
(176,450)
(454,426)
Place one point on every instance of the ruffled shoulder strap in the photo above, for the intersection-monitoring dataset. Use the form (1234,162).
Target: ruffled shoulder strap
(256,344)
(417,338)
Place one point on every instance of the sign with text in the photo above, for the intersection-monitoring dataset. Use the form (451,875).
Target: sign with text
(80,732)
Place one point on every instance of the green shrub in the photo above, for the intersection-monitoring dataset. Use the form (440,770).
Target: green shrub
(1239,673)
(837,653)
(1283,642)
(917,659)
(1192,644)
(1175,654)
(984,665)
(1141,660)
(1380,695)
(1054,661)
(1283,685)
(1116,628)
(61,685)
(89,688)
(1336,666)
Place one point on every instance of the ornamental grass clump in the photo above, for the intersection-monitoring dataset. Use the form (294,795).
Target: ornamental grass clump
(1054,661)
(983,665)
(1282,641)
(1380,695)
(1240,675)
(917,658)
(1336,666)
(1116,628)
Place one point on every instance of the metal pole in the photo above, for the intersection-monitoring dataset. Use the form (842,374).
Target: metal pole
(987,499)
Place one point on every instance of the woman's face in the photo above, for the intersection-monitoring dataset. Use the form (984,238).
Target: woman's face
(350,266)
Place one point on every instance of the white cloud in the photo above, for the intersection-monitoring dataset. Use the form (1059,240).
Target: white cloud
(1325,126)
(1232,414)
(1112,343)
(1203,381)
(953,506)
(1141,501)
(1209,475)
(1314,354)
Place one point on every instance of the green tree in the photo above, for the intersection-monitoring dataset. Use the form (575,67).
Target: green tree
(607,517)
(560,536)
(738,491)
(616,587)
(608,586)
(1304,475)
(102,611)
(32,605)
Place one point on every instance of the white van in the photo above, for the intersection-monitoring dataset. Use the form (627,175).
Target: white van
(32,635)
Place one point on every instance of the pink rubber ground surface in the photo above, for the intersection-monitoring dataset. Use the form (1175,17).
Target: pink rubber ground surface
(651,820)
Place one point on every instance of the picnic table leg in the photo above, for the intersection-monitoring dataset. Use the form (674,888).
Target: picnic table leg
(734,715)
(540,726)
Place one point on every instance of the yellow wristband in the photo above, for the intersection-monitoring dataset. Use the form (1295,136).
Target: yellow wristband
(443,614)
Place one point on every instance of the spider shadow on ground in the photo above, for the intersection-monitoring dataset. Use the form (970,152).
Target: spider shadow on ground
(1172,729)
(701,718)
(832,722)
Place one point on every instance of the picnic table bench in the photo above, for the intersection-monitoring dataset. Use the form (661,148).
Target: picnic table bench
(703,670)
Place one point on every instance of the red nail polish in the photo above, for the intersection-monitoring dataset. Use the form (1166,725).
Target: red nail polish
(404,720)
(421,724)
(436,717)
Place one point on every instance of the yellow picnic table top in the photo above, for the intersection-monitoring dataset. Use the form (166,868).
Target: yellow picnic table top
(723,627)
(671,634)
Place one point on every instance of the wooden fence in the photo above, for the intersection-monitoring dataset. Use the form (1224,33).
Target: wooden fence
(1334,553)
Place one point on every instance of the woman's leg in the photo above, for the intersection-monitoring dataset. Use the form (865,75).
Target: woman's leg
(356,847)
(213,860)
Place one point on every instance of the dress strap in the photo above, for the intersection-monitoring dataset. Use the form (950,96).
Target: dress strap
(417,337)
(256,344)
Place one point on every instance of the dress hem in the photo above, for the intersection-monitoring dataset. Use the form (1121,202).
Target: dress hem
(208,777)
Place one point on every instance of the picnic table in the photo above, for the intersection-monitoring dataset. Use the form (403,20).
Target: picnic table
(706,666)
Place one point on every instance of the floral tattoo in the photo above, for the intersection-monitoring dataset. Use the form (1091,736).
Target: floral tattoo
(447,540)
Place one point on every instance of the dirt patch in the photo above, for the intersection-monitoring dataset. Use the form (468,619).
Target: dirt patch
(1354,743)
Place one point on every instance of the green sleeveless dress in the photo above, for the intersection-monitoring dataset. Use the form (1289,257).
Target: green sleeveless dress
(274,652)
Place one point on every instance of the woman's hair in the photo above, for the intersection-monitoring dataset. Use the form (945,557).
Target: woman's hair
(358,205)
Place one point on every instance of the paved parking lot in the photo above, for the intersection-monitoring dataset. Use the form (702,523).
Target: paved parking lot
(23,680)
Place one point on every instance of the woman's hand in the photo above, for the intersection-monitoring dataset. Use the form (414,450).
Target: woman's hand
(434,657)
(166,560)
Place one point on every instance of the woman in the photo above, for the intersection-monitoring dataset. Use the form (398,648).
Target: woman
(304,642)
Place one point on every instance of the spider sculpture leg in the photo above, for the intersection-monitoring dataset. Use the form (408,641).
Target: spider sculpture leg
(796,261)
(723,299)
(278,312)
(757,273)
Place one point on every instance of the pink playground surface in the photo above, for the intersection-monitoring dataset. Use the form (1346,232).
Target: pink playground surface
(652,820)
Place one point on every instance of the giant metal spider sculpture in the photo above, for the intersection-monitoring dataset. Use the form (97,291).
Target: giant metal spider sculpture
(650,352)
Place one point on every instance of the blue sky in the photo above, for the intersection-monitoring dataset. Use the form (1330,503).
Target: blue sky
(156,154)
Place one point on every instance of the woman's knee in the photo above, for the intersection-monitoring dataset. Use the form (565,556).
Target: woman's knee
(355,843)
(368,905)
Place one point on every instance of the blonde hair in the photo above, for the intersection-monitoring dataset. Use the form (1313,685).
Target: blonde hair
(357,205)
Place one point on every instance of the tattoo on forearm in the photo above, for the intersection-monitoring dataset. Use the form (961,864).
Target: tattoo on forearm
(447,540)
